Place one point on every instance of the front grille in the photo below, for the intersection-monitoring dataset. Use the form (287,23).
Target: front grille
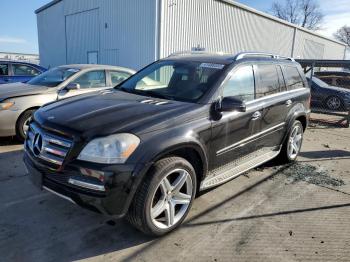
(48,147)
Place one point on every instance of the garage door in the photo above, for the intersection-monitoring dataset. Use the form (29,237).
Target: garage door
(82,36)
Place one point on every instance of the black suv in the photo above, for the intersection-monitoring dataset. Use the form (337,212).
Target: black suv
(145,150)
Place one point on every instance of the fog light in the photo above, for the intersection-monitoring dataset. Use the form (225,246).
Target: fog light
(93,173)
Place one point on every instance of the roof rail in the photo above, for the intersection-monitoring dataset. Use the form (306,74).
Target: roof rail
(183,53)
(259,54)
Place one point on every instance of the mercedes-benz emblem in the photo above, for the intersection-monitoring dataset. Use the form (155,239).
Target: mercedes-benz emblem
(37,144)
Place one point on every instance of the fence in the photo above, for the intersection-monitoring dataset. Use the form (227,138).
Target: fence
(330,102)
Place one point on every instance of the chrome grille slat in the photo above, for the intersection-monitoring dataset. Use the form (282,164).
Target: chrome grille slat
(54,148)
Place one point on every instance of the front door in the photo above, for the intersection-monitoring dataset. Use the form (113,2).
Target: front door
(23,73)
(88,82)
(4,73)
(233,133)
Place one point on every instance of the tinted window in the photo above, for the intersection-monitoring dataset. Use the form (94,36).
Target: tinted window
(241,84)
(267,78)
(118,77)
(24,70)
(293,78)
(4,69)
(53,77)
(92,79)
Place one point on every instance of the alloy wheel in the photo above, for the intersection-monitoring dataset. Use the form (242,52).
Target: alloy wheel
(171,199)
(25,126)
(334,103)
(294,142)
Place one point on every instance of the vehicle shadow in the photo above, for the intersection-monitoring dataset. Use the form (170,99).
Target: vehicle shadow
(39,226)
(324,155)
(9,141)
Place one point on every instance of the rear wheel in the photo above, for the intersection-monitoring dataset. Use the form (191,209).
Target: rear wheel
(164,197)
(291,147)
(23,124)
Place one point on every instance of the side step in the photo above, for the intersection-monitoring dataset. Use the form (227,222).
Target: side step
(235,168)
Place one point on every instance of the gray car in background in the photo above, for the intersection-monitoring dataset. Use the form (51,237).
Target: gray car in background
(18,101)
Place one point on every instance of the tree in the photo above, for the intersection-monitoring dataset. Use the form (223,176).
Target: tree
(343,34)
(305,13)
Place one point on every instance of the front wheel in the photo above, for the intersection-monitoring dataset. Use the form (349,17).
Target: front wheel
(334,103)
(23,124)
(291,147)
(164,197)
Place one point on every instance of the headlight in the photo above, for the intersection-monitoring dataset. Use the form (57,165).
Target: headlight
(114,149)
(6,105)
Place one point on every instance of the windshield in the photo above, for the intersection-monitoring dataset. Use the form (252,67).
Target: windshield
(174,80)
(53,77)
(319,82)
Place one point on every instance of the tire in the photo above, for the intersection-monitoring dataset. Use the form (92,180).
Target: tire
(334,103)
(21,122)
(149,199)
(285,155)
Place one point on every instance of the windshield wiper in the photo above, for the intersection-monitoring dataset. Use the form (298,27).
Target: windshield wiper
(156,94)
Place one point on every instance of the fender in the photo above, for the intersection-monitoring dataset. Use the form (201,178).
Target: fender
(153,155)
(297,111)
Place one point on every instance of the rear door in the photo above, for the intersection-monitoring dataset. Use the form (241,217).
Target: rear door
(4,73)
(23,72)
(271,91)
(116,77)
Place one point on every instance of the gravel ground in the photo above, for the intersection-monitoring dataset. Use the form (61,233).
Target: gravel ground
(274,213)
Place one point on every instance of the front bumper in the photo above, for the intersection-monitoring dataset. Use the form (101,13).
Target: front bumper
(8,119)
(119,183)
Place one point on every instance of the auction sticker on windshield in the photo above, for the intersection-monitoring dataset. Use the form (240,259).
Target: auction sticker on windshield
(211,65)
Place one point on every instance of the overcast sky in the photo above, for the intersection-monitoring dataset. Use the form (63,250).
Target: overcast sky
(19,32)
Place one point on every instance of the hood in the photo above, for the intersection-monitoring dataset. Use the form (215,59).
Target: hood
(109,112)
(20,89)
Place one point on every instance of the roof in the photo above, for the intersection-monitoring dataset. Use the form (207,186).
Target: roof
(92,66)
(274,18)
(224,58)
(53,2)
(241,6)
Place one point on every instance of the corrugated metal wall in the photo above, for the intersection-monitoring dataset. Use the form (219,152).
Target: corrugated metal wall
(332,50)
(123,31)
(51,35)
(220,26)
(126,31)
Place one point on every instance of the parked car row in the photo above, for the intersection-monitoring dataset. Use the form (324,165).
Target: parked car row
(18,101)
(141,145)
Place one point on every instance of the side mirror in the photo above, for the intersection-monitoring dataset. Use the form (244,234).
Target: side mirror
(229,104)
(73,86)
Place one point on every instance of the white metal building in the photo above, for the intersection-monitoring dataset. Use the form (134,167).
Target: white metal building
(133,33)
(31,58)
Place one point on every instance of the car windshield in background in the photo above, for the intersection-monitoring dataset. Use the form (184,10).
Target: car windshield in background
(53,77)
(174,80)
(319,82)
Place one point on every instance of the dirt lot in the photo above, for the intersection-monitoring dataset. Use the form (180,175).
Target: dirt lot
(273,213)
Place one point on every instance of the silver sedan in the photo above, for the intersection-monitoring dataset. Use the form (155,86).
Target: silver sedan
(18,101)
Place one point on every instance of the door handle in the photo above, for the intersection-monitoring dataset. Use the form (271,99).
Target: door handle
(256,115)
(289,103)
